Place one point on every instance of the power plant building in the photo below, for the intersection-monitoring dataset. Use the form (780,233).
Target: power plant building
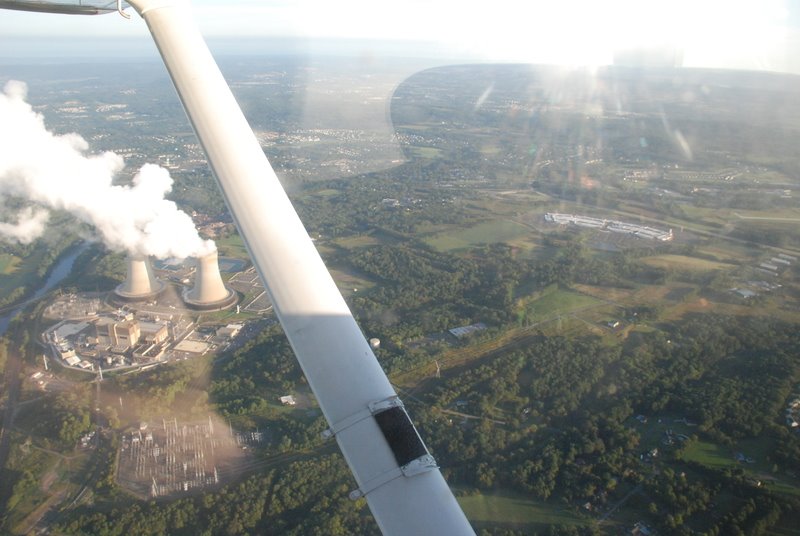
(120,335)
(154,332)
(140,283)
(209,292)
(230,331)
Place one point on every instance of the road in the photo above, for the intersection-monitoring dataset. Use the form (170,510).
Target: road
(619,503)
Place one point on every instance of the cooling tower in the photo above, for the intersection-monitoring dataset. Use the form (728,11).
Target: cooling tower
(208,292)
(140,284)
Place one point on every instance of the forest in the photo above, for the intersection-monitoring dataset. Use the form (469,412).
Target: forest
(555,417)
(557,423)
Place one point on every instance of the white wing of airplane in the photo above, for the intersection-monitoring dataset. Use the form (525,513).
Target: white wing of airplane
(392,466)
(70,7)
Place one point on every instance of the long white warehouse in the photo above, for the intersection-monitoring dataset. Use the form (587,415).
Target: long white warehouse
(609,225)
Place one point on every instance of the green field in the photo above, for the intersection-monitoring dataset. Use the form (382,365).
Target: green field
(507,508)
(328,192)
(558,302)
(728,252)
(8,263)
(17,275)
(682,262)
(709,454)
(425,152)
(723,216)
(232,246)
(489,232)
(718,457)
(357,241)
(349,283)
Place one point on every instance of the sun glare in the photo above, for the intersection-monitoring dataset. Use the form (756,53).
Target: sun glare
(740,34)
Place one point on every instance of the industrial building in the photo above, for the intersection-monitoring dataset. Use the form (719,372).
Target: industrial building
(462,331)
(117,334)
(153,332)
(149,324)
(146,341)
(209,293)
(172,458)
(613,226)
(140,283)
(230,331)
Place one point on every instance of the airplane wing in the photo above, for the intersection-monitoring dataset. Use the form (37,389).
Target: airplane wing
(65,6)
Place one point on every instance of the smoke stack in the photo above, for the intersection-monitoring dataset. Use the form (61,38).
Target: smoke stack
(140,284)
(209,292)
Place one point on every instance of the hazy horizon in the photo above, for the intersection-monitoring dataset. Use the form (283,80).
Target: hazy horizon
(712,34)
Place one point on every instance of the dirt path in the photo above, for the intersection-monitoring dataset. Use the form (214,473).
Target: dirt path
(27,525)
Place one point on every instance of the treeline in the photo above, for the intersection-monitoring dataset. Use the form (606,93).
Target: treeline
(40,256)
(246,386)
(553,442)
(3,359)
(197,190)
(68,417)
(429,282)
(96,269)
(557,418)
(686,502)
(575,262)
(554,422)
(303,498)
(423,292)
(759,233)
(265,363)
(356,205)
(174,387)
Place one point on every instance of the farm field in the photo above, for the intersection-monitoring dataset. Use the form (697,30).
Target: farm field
(8,263)
(232,246)
(755,453)
(349,283)
(488,232)
(732,215)
(558,302)
(512,509)
(682,262)
(16,275)
(358,241)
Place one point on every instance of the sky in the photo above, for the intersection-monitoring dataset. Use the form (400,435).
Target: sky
(741,34)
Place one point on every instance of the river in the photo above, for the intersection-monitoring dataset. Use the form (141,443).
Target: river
(62,269)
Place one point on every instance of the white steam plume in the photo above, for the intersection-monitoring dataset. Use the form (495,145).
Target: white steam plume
(54,172)
(30,225)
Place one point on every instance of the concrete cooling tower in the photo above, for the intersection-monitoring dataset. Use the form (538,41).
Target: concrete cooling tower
(140,284)
(209,292)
